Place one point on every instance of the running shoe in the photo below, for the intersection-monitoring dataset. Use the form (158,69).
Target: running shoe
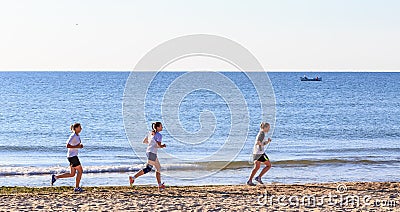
(250,183)
(258,179)
(78,190)
(53,179)
(131,181)
(161,187)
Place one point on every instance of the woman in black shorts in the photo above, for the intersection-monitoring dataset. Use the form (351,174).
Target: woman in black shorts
(73,144)
(259,155)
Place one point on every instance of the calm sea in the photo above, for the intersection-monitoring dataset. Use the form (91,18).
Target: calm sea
(345,128)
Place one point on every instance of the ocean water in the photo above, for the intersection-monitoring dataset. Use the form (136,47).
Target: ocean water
(345,128)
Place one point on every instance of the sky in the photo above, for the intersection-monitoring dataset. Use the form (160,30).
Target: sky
(71,35)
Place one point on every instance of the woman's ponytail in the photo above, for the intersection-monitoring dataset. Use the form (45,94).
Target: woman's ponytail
(154,127)
(264,125)
(74,126)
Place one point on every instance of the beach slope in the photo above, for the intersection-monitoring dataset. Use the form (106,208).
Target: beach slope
(349,196)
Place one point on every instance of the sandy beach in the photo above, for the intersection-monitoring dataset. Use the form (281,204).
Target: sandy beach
(348,196)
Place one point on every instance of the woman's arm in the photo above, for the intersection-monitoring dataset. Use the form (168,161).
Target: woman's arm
(71,139)
(146,140)
(260,138)
(267,141)
(161,145)
(260,142)
(77,146)
(158,139)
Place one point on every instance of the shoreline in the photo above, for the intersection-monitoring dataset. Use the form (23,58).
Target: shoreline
(345,196)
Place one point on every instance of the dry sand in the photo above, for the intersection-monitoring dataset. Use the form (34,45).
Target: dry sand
(370,196)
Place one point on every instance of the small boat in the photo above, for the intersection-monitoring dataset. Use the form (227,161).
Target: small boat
(305,78)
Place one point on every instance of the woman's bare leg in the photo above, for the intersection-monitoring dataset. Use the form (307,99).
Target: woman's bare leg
(255,169)
(139,173)
(266,168)
(158,177)
(78,176)
(67,175)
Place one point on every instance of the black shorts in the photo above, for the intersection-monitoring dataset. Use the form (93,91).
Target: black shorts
(74,161)
(260,157)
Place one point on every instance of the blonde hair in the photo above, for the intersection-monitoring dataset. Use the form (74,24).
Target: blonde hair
(264,125)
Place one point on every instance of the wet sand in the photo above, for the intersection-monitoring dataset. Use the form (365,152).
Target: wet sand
(349,196)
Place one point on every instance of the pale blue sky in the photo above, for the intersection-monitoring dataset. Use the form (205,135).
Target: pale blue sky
(282,34)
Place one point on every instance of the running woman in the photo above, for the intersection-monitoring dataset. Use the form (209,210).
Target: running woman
(259,155)
(153,140)
(73,144)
